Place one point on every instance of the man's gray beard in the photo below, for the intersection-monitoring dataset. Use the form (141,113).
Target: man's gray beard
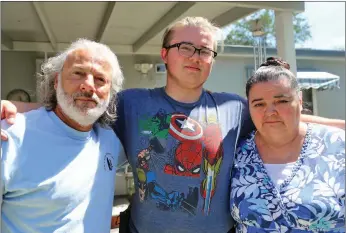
(83,115)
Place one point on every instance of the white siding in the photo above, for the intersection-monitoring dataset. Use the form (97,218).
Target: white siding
(18,72)
(228,75)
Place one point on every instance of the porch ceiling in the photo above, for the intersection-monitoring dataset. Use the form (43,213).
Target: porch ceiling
(127,27)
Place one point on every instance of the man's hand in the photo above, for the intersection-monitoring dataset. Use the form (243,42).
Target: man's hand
(8,112)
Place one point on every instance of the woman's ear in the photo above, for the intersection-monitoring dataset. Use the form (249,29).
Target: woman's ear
(300,96)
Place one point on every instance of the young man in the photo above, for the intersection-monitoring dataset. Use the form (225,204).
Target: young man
(58,165)
(180,139)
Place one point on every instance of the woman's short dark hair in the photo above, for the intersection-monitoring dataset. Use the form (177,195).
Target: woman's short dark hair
(271,70)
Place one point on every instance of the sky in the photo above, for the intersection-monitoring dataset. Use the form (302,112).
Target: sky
(327,25)
(327,21)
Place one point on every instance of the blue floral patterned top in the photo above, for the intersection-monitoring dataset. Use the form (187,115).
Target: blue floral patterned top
(311,199)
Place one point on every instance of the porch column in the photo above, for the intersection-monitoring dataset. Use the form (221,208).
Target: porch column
(285,38)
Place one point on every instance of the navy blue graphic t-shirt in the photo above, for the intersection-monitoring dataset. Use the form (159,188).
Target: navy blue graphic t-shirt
(181,155)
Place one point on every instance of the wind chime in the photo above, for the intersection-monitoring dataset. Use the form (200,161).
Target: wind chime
(259,47)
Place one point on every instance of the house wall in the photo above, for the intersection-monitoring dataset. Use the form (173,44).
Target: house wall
(133,79)
(18,72)
(228,75)
(330,103)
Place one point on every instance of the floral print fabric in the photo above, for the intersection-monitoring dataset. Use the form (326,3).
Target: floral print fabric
(311,199)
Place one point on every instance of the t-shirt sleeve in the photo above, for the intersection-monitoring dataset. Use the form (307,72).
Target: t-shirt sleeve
(5,150)
(2,188)
(247,126)
(122,159)
(119,125)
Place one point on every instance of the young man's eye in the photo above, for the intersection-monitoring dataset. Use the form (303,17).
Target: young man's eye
(186,48)
(79,73)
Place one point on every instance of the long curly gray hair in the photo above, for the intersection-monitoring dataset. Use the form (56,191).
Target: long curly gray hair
(54,65)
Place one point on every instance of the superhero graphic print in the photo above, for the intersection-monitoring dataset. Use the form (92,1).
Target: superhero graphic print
(178,145)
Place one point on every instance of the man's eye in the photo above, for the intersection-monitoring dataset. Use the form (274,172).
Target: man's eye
(186,48)
(99,79)
(205,52)
(79,73)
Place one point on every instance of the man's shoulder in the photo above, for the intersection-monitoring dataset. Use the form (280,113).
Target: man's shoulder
(229,99)
(106,134)
(24,121)
(24,125)
(108,137)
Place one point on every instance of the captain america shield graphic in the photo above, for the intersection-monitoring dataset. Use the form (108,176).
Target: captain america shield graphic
(184,128)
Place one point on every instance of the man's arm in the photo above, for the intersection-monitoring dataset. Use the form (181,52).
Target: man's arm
(3,156)
(9,110)
(1,186)
(119,126)
(323,121)
(9,154)
(247,125)
(20,106)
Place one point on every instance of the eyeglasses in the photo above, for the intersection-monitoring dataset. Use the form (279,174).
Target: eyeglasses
(188,50)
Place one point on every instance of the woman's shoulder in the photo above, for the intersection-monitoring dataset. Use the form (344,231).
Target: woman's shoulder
(246,145)
(328,140)
(327,133)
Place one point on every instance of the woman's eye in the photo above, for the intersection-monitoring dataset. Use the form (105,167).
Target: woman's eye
(258,105)
(282,101)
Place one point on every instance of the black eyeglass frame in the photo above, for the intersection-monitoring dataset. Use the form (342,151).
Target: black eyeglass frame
(196,49)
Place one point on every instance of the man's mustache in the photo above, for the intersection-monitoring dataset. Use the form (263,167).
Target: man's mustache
(89,95)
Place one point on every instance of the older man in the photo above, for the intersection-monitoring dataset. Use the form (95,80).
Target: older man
(58,165)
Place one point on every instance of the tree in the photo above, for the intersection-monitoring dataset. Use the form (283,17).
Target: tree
(240,33)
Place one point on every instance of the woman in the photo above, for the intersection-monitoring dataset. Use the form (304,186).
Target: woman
(288,176)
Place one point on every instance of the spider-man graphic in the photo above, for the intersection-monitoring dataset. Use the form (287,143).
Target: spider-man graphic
(188,159)
(197,154)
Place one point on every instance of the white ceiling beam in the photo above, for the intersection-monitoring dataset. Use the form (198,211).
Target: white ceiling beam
(41,15)
(233,15)
(279,5)
(145,50)
(105,21)
(46,47)
(6,41)
(175,12)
